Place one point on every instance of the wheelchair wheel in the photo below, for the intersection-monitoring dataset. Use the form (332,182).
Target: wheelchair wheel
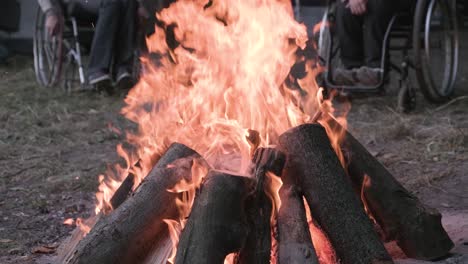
(48,52)
(435,43)
(325,39)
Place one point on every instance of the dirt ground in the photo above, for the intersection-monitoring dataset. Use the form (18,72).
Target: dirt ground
(53,146)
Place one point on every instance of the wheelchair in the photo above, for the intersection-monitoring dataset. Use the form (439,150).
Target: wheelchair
(426,39)
(59,59)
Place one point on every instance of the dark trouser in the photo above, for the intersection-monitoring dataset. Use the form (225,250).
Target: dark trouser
(114,37)
(361,37)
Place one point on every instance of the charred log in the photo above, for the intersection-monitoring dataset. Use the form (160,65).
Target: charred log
(416,228)
(257,248)
(129,232)
(295,243)
(269,159)
(294,239)
(328,191)
(124,190)
(217,225)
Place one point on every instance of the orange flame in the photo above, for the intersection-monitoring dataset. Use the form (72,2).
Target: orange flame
(366,183)
(273,185)
(230,258)
(217,70)
(222,74)
(184,204)
(272,188)
(175,227)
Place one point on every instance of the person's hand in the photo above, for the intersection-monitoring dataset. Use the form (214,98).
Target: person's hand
(52,23)
(358,7)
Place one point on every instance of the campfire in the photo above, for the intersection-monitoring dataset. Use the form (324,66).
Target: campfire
(239,157)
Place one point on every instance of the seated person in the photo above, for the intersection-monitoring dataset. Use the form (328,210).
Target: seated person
(361,27)
(113,41)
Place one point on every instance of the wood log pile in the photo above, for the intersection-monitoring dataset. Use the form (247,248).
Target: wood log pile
(234,214)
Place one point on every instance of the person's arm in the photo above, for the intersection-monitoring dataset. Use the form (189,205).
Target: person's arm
(47,5)
(50,9)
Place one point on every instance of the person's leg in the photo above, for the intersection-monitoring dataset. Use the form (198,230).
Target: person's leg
(376,21)
(103,42)
(126,43)
(349,29)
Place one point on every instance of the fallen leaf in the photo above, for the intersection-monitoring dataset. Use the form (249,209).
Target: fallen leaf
(6,240)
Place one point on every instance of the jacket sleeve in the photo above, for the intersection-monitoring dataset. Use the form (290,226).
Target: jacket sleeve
(47,5)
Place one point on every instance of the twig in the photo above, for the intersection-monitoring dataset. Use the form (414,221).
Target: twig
(442,107)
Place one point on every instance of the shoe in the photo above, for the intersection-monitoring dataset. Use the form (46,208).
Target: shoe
(344,77)
(101,82)
(124,81)
(367,76)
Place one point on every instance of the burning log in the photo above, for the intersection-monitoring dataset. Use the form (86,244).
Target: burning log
(129,232)
(295,243)
(217,225)
(257,248)
(331,198)
(416,228)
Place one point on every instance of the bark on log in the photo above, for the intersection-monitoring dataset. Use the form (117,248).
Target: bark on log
(295,243)
(331,198)
(129,232)
(217,224)
(416,228)
(257,248)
